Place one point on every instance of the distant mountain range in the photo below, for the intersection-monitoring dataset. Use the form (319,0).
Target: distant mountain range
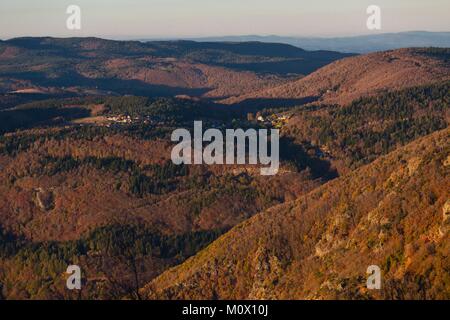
(73,66)
(355,44)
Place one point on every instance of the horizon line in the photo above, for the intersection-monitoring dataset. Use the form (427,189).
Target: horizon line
(193,37)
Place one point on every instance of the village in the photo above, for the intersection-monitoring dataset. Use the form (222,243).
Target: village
(274,120)
(114,120)
(126,119)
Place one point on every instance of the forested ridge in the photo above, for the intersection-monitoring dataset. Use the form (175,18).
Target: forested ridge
(372,126)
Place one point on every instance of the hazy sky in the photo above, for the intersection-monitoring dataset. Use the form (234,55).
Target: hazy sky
(190,18)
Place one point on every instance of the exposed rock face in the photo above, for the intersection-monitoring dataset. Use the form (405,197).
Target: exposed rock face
(44,199)
(267,271)
(445,226)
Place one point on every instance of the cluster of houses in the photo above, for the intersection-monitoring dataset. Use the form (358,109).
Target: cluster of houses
(120,119)
(126,119)
(275,120)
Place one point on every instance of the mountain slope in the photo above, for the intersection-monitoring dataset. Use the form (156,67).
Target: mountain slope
(345,80)
(393,213)
(369,127)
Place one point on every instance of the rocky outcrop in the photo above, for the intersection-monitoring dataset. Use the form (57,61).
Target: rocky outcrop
(44,199)
(267,271)
(445,226)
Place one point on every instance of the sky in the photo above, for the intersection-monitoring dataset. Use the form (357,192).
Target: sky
(127,19)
